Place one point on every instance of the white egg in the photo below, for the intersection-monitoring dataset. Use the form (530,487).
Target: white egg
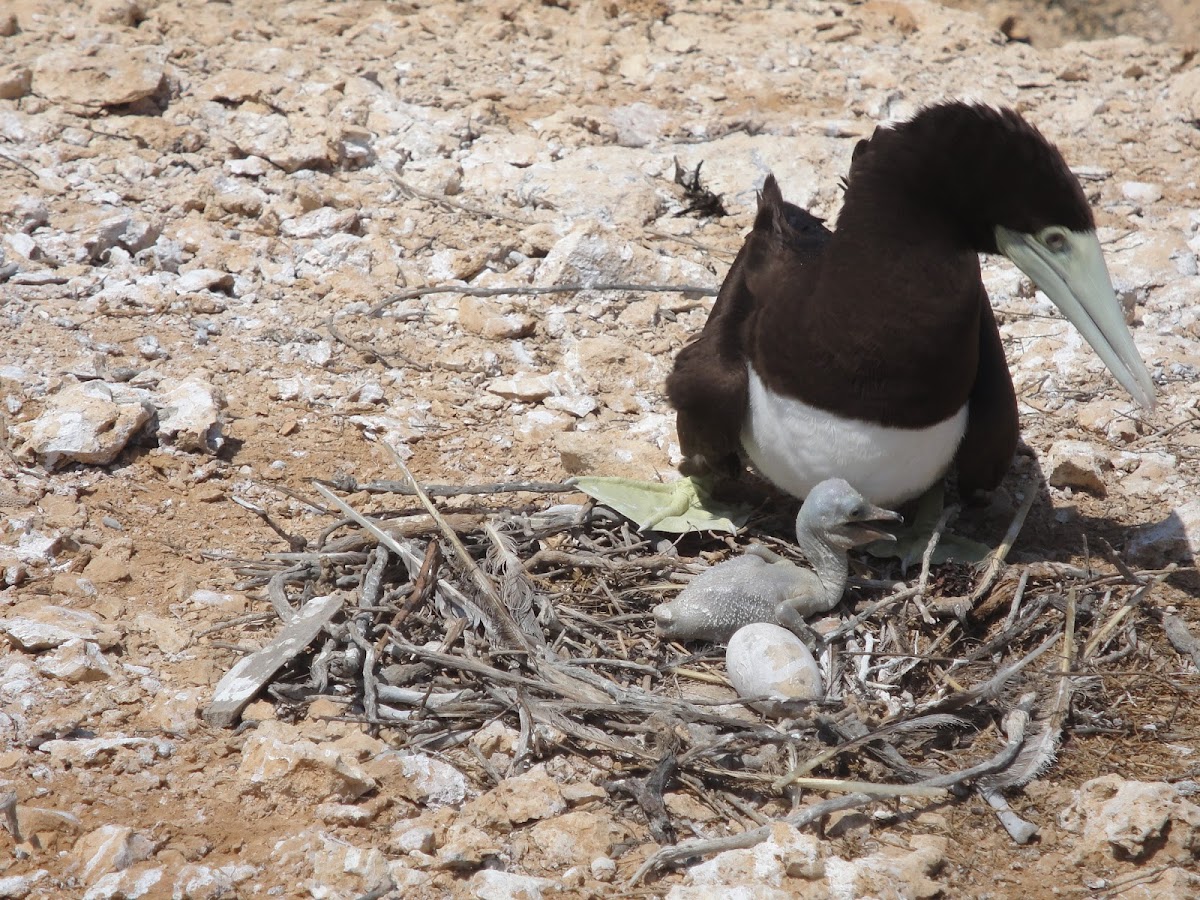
(766,660)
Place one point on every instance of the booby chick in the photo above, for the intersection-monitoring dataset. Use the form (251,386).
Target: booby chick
(761,586)
(871,353)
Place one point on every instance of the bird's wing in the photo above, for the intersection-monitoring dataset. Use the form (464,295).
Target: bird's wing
(708,385)
(987,447)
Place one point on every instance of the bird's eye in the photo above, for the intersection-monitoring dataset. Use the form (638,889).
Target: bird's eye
(1055,240)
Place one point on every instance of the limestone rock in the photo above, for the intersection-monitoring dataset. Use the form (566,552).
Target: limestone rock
(492,884)
(787,853)
(14,81)
(418,777)
(76,661)
(21,885)
(1175,538)
(580,835)
(481,316)
(195,280)
(86,752)
(104,75)
(528,797)
(1136,820)
(191,415)
(327,866)
(1078,465)
(89,422)
(197,882)
(110,848)
(297,767)
(527,388)
(909,873)
(322,222)
(47,626)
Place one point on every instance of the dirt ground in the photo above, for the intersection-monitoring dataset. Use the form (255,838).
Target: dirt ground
(316,158)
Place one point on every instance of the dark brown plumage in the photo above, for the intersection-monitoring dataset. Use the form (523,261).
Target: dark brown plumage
(886,321)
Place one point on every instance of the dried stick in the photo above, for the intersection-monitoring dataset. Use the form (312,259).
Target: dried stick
(1105,631)
(927,561)
(462,490)
(996,557)
(1015,724)
(499,620)
(297,544)
(534,291)
(410,558)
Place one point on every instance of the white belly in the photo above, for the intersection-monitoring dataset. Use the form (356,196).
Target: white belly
(796,446)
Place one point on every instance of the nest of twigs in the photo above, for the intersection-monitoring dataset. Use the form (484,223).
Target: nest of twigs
(958,680)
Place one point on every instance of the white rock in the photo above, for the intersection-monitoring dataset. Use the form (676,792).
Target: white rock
(196,280)
(578,405)
(322,222)
(215,599)
(250,167)
(51,626)
(83,752)
(34,547)
(786,853)
(76,661)
(130,884)
(148,347)
(191,416)
(1130,819)
(195,882)
(297,767)
(339,868)
(1177,537)
(19,886)
(1077,464)
(23,245)
(766,660)
(604,869)
(409,838)
(90,422)
(492,884)
(908,873)
(428,781)
(110,848)
(101,75)
(1141,191)
(527,388)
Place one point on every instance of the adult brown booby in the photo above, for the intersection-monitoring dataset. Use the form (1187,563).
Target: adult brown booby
(871,353)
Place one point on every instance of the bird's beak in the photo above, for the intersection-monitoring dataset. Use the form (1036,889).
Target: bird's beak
(1076,280)
(869,527)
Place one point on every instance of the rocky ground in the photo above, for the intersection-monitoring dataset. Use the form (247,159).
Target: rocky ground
(202,203)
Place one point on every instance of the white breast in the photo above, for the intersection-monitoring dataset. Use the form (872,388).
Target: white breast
(796,446)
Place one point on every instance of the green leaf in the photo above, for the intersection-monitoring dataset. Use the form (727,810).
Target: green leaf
(911,540)
(676,507)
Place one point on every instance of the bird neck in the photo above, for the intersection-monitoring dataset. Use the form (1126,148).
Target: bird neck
(830,564)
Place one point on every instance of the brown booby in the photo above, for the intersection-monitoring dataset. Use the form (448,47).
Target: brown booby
(871,353)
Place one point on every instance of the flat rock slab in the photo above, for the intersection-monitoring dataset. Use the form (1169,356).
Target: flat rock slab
(108,76)
(246,679)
